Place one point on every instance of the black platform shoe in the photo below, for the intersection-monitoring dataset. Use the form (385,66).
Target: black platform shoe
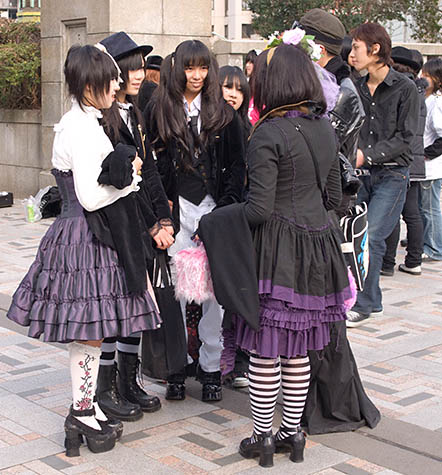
(176,389)
(110,400)
(212,389)
(75,431)
(115,424)
(128,366)
(294,444)
(259,445)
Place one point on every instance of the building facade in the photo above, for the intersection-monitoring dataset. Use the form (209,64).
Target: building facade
(232,20)
(28,10)
(8,9)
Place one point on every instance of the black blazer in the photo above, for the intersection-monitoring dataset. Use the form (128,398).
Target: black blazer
(227,163)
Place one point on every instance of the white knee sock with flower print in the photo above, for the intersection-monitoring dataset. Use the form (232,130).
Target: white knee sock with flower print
(84,364)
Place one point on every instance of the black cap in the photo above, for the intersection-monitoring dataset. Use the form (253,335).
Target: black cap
(120,44)
(153,62)
(402,55)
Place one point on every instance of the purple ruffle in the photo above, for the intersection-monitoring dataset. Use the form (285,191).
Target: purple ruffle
(299,301)
(76,290)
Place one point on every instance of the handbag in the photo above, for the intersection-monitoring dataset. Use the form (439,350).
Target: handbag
(193,278)
(349,179)
(354,228)
(164,351)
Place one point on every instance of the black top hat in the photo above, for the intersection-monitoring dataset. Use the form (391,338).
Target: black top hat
(402,55)
(153,62)
(120,44)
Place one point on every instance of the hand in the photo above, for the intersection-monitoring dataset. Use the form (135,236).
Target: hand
(170,205)
(163,239)
(195,238)
(360,159)
(169,229)
(137,164)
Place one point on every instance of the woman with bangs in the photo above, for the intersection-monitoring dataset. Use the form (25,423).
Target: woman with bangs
(199,146)
(150,222)
(76,290)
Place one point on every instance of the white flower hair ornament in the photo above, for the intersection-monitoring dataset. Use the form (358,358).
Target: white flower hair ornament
(296,36)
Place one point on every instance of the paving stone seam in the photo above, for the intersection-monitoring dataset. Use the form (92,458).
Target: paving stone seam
(401,446)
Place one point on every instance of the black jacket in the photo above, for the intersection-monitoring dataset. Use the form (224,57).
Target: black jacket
(392,120)
(227,238)
(145,94)
(127,224)
(348,114)
(417,167)
(227,163)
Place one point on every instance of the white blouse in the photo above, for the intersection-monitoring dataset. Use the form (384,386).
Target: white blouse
(433,130)
(81,145)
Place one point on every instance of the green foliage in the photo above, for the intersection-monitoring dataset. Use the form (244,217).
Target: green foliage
(20,65)
(271,15)
(427,19)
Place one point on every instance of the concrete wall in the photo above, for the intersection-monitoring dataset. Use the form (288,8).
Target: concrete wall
(20,142)
(160,23)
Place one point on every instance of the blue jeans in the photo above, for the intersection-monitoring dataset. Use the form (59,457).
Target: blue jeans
(429,202)
(384,191)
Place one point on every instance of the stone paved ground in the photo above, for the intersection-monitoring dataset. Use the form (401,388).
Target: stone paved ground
(399,357)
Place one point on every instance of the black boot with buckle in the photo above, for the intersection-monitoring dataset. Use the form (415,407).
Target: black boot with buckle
(128,367)
(212,389)
(110,400)
(259,445)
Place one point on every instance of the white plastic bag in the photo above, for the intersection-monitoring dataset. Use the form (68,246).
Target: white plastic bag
(32,206)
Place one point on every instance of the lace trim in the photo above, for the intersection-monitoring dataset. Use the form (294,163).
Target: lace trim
(166,222)
(155,229)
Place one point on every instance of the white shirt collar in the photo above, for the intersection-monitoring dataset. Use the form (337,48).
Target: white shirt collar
(125,105)
(195,106)
(89,110)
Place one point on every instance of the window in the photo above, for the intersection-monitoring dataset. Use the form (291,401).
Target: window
(226,7)
(245,5)
(247,31)
(226,31)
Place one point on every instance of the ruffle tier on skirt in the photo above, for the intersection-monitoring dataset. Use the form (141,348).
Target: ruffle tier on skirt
(303,286)
(76,290)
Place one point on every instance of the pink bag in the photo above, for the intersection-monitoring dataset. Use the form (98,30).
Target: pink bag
(193,279)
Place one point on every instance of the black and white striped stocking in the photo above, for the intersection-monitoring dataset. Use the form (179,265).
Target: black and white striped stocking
(264,384)
(295,375)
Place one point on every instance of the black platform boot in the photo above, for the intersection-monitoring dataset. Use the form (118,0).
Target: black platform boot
(110,400)
(76,431)
(128,364)
(259,445)
(294,444)
(212,390)
(176,389)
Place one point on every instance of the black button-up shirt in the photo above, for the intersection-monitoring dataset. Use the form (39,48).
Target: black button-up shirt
(391,122)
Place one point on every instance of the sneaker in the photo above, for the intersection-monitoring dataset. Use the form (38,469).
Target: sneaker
(240,380)
(427,258)
(387,272)
(410,270)
(356,319)
(377,313)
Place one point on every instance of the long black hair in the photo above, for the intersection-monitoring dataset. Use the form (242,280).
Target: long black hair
(111,117)
(167,112)
(286,77)
(88,66)
(235,77)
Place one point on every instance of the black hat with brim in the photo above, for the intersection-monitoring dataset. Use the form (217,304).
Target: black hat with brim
(153,62)
(120,45)
(402,55)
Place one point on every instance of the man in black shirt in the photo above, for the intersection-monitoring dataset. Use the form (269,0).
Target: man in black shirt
(391,105)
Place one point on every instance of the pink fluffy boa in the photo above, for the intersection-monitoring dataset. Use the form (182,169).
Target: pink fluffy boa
(193,278)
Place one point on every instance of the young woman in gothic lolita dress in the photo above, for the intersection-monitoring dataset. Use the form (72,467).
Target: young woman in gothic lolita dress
(75,291)
(302,276)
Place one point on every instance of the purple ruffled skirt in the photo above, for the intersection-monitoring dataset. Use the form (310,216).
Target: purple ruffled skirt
(76,289)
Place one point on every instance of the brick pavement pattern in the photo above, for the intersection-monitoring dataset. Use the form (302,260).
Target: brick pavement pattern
(399,357)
